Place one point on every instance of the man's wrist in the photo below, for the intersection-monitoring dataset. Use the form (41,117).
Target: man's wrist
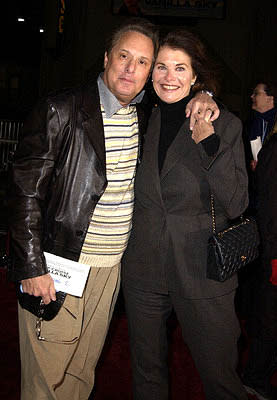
(208,92)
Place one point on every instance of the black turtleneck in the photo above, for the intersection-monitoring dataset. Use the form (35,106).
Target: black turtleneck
(172,118)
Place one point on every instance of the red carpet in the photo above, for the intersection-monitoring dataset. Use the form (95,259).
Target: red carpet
(113,374)
(9,349)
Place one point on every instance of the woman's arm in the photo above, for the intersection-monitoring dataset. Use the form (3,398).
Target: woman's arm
(226,170)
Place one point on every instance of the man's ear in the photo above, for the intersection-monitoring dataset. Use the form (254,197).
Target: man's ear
(270,100)
(106,59)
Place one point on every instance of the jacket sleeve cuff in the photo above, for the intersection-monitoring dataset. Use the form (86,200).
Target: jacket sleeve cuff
(211,144)
(17,273)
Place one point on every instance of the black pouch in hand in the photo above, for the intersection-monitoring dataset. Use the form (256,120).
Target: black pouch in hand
(36,306)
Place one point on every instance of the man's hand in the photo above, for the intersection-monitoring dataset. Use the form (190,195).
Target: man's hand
(202,105)
(273,278)
(203,128)
(253,165)
(40,286)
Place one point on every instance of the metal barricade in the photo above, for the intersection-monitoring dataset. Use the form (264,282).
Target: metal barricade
(9,135)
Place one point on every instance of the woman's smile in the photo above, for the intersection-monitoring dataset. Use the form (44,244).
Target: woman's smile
(172,75)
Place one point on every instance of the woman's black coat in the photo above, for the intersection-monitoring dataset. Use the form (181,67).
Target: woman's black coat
(172,221)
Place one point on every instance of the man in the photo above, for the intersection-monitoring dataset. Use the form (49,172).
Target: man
(72,196)
(262,360)
(258,130)
(264,115)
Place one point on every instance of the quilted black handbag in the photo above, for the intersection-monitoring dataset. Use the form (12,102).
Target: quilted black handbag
(232,248)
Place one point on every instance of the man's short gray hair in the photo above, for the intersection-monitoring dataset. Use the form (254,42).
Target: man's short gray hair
(139,25)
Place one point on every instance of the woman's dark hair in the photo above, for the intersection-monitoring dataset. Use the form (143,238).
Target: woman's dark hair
(202,64)
(139,25)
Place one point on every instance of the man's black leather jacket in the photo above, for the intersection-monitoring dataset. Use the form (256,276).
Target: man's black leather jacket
(58,176)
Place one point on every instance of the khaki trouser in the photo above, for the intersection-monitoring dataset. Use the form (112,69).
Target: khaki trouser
(61,367)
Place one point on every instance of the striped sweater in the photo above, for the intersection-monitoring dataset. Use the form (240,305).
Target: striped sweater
(110,225)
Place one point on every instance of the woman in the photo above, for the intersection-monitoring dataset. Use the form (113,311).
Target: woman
(165,264)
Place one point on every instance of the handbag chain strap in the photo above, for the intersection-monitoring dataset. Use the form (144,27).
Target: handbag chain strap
(244,221)
(213,214)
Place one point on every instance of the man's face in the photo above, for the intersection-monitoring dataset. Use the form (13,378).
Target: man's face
(128,66)
(260,100)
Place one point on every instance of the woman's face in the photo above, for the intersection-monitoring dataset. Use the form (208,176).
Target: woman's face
(172,75)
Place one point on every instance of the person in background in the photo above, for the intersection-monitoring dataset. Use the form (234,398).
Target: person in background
(263,118)
(262,359)
(164,266)
(258,130)
(72,195)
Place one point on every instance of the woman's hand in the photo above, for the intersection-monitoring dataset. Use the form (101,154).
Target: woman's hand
(202,104)
(203,127)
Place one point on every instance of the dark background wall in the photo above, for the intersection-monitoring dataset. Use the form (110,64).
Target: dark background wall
(32,64)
